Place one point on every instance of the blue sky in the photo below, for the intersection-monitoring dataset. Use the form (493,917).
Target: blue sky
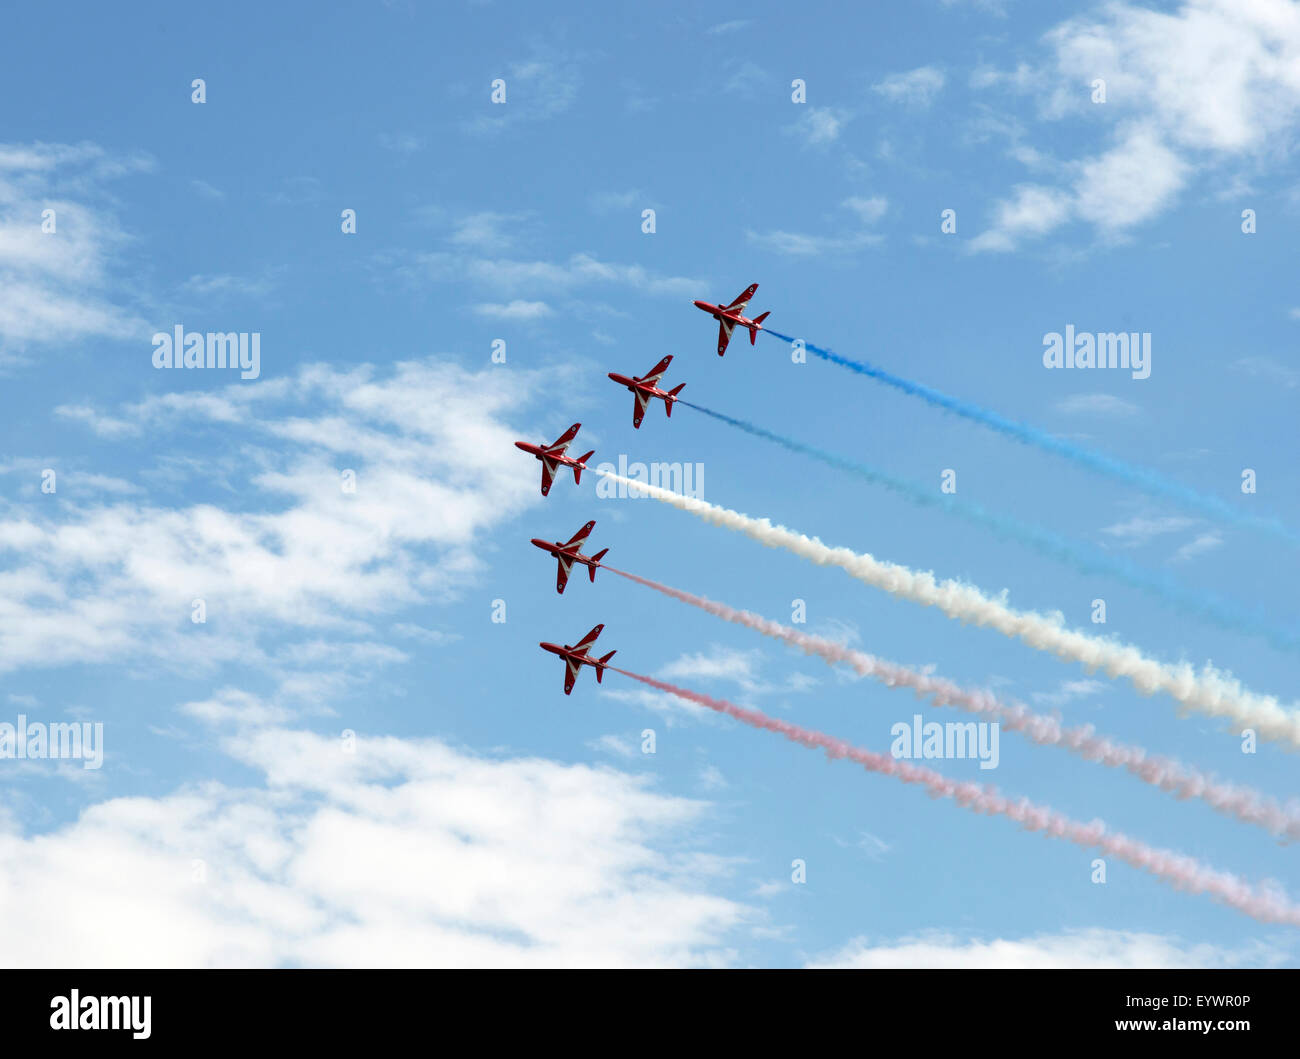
(481,817)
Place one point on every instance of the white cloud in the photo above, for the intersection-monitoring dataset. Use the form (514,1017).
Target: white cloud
(819,125)
(400,142)
(916,88)
(619,746)
(537,89)
(507,275)
(58,286)
(797,244)
(436,637)
(609,201)
(206,190)
(222,284)
(1069,691)
(1034,210)
(1096,404)
(1271,371)
(1130,183)
(1199,545)
(487,231)
(104,425)
(403,853)
(515,310)
(719,663)
(712,779)
(1093,947)
(868,210)
(1141,529)
(86,583)
(727,27)
(1212,85)
(744,78)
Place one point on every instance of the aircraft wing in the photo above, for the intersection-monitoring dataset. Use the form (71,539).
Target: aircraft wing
(570,675)
(548,476)
(724,335)
(638,408)
(582,534)
(562,442)
(657,372)
(743,298)
(562,573)
(589,639)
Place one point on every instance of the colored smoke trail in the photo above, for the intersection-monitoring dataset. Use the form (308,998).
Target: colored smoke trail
(1208,691)
(1140,477)
(1267,903)
(1086,560)
(1173,777)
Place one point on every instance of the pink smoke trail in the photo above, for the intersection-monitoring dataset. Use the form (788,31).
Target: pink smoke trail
(1267,904)
(1173,777)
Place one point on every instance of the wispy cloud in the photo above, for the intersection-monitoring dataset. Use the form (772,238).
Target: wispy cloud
(1103,404)
(1199,545)
(206,190)
(400,142)
(798,244)
(1094,947)
(515,310)
(60,284)
(915,88)
(537,89)
(1141,529)
(510,275)
(1269,370)
(1216,92)
(818,126)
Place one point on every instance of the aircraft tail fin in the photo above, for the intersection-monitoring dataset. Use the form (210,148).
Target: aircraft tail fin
(594,560)
(758,323)
(577,469)
(600,669)
(668,405)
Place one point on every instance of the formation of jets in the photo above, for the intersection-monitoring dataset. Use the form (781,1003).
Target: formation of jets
(552,457)
(733,315)
(569,552)
(643,388)
(577,656)
(647,386)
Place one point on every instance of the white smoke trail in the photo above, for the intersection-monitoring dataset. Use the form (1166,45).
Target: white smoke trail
(1208,691)
(1182,781)
(1267,903)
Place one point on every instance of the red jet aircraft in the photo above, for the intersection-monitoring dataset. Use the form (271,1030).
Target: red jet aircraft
(570,552)
(575,657)
(646,387)
(728,316)
(552,456)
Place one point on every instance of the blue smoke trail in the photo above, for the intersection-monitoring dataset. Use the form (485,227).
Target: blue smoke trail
(1095,461)
(1086,560)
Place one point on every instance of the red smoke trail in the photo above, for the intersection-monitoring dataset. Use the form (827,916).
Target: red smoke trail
(1267,904)
(1182,781)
